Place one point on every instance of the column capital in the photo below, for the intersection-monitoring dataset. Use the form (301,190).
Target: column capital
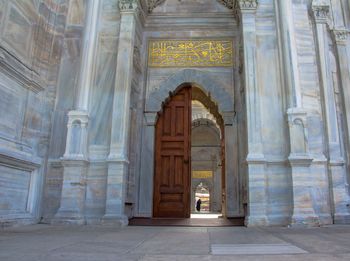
(247,5)
(320,10)
(340,35)
(128,6)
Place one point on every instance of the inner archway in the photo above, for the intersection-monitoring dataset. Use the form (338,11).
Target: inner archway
(173,173)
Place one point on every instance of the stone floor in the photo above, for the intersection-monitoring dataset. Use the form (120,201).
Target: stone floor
(43,242)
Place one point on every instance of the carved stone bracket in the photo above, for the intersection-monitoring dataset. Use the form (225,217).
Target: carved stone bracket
(341,36)
(151,4)
(230,4)
(320,10)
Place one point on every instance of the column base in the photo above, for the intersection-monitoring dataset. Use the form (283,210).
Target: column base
(325,219)
(115,220)
(256,221)
(64,217)
(342,218)
(305,221)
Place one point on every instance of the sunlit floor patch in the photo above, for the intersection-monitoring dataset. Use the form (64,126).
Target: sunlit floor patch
(255,249)
(206,215)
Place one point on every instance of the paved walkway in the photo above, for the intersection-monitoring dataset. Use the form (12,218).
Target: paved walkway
(57,243)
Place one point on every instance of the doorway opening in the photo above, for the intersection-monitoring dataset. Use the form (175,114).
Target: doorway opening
(189,156)
(202,195)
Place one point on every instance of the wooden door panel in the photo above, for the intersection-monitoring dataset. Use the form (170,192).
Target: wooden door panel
(172,164)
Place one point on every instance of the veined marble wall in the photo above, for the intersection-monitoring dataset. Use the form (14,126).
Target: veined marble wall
(31,33)
(287,135)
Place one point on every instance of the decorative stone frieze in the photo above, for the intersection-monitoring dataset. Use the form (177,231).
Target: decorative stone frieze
(230,4)
(247,5)
(320,10)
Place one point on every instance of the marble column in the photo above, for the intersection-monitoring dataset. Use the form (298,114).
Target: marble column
(75,158)
(336,164)
(341,39)
(257,196)
(289,52)
(118,162)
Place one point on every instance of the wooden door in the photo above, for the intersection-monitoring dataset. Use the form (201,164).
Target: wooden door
(172,180)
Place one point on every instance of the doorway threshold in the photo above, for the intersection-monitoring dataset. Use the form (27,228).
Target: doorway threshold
(188,222)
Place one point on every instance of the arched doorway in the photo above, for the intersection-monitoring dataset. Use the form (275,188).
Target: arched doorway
(172,179)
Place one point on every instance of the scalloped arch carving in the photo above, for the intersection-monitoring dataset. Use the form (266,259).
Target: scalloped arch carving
(195,78)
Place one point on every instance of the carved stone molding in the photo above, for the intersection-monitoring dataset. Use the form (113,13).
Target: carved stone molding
(341,36)
(247,5)
(153,4)
(230,4)
(128,5)
(320,10)
(21,73)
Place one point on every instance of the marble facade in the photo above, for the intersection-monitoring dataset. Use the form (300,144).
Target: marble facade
(78,107)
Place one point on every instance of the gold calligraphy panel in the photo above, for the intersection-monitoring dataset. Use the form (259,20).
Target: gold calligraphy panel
(190,53)
(202,174)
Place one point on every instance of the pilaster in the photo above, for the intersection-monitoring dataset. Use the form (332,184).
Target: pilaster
(341,36)
(231,207)
(257,205)
(118,162)
(75,157)
(336,167)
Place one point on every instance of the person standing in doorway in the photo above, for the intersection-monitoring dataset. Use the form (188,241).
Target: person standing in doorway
(198,205)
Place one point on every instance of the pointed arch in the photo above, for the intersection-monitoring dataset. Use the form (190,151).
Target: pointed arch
(195,78)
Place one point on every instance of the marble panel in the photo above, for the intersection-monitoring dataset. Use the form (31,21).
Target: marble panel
(101,105)
(272,112)
(14,191)
(279,193)
(2,13)
(76,13)
(53,189)
(315,134)
(18,32)
(11,108)
(96,191)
